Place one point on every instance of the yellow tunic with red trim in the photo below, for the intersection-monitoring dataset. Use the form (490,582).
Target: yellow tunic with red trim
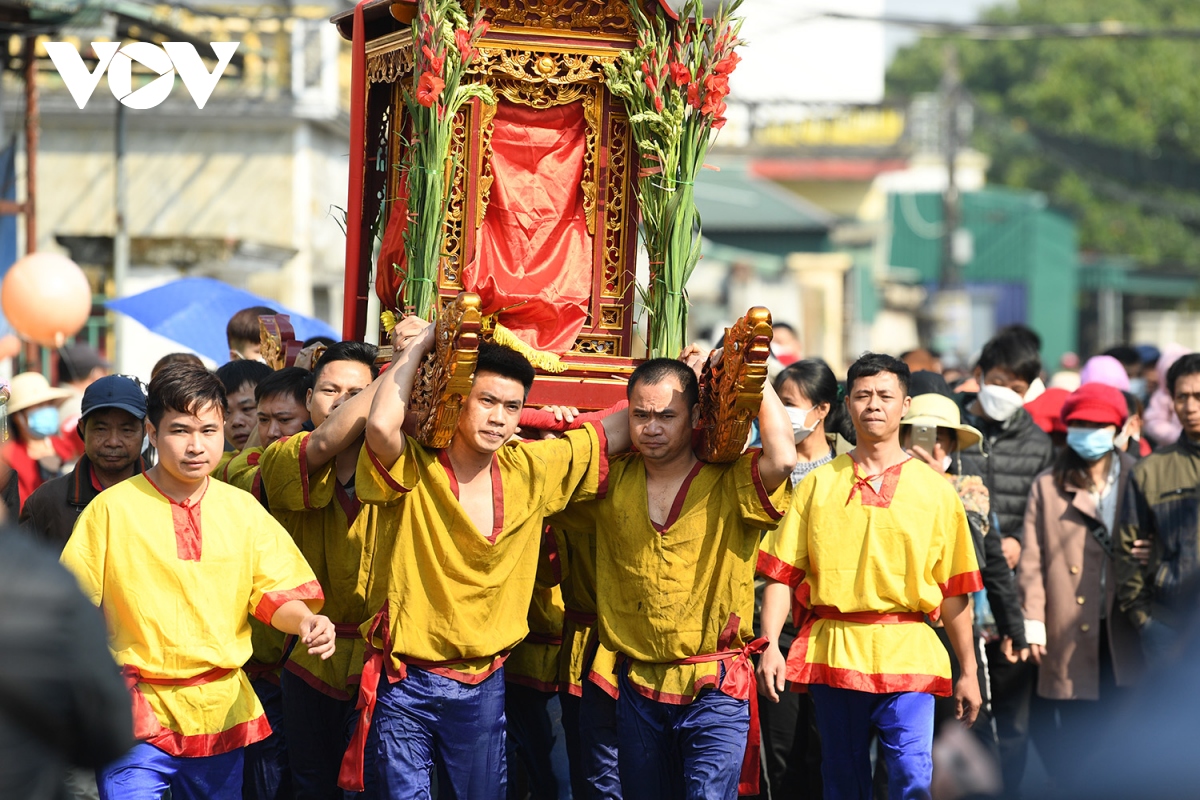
(218,471)
(897,543)
(337,534)
(686,588)
(242,471)
(534,662)
(583,656)
(456,599)
(176,583)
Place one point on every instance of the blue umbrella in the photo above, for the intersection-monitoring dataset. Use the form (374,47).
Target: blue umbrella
(194,312)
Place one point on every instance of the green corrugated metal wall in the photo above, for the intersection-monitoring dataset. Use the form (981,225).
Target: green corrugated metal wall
(1017,240)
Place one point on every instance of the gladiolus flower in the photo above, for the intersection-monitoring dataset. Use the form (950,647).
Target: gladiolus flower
(651,85)
(658,104)
(712,104)
(717,84)
(481,28)
(718,123)
(429,88)
(693,95)
(680,74)
(727,64)
(463,40)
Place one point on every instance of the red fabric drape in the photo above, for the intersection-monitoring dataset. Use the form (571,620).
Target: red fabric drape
(534,245)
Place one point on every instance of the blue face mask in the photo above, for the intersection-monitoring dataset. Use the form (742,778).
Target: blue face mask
(1090,443)
(43,422)
(1137,388)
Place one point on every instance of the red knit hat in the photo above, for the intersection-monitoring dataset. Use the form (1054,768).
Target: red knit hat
(1046,410)
(1096,402)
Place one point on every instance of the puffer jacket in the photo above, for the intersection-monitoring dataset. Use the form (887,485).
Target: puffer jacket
(1014,453)
(1168,483)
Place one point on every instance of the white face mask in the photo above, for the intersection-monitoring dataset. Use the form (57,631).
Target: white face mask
(946,463)
(797,416)
(1000,402)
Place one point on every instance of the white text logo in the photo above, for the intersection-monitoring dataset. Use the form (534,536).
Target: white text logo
(178,57)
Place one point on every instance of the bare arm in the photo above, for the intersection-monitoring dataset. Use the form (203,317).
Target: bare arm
(384,436)
(616,430)
(778,442)
(315,631)
(956,618)
(772,666)
(341,428)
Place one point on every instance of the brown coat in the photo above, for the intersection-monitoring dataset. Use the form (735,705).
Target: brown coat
(1060,579)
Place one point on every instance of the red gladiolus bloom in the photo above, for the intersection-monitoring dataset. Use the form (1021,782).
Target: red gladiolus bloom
(481,28)
(463,40)
(712,102)
(727,64)
(693,97)
(717,84)
(680,74)
(718,123)
(658,104)
(429,88)
(651,85)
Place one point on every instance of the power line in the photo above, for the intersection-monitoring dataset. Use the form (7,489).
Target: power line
(989,31)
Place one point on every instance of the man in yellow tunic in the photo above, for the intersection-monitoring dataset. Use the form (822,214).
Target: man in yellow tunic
(239,378)
(458,540)
(676,546)
(308,482)
(177,562)
(875,541)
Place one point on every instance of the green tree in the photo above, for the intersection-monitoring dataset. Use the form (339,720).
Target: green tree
(1083,120)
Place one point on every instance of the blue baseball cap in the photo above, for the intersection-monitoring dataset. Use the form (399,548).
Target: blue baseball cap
(113,391)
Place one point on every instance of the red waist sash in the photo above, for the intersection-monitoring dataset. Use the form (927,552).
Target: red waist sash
(579,617)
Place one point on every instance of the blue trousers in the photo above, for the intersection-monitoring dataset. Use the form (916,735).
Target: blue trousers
(427,721)
(318,728)
(670,751)
(530,742)
(904,720)
(590,723)
(266,772)
(147,773)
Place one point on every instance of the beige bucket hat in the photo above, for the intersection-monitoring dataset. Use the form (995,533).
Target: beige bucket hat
(939,410)
(31,389)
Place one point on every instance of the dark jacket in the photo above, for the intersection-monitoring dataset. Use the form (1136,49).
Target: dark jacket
(1014,452)
(50,512)
(999,582)
(62,699)
(1168,496)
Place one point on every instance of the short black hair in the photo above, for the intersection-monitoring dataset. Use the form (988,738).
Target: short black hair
(1022,333)
(505,362)
(872,364)
(1187,365)
(1015,351)
(656,370)
(237,374)
(1128,356)
(186,388)
(328,341)
(177,358)
(289,381)
(361,352)
(243,326)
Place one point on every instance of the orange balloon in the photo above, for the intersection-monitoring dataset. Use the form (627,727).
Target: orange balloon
(46,298)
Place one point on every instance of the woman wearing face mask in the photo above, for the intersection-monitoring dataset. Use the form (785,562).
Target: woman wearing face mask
(37,451)
(810,391)
(1085,647)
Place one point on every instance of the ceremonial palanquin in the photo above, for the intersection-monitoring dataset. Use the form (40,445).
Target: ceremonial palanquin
(492,152)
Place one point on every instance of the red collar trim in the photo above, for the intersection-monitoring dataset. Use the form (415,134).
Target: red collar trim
(887,490)
(680,498)
(497,491)
(186,519)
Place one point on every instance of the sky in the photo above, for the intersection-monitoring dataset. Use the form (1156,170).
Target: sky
(794,54)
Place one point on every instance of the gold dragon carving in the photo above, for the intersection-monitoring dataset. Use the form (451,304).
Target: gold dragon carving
(731,389)
(278,340)
(603,16)
(445,376)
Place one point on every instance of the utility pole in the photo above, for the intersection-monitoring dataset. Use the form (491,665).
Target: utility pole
(951,277)
(120,235)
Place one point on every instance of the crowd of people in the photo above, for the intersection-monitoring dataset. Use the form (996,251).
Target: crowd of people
(303,601)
